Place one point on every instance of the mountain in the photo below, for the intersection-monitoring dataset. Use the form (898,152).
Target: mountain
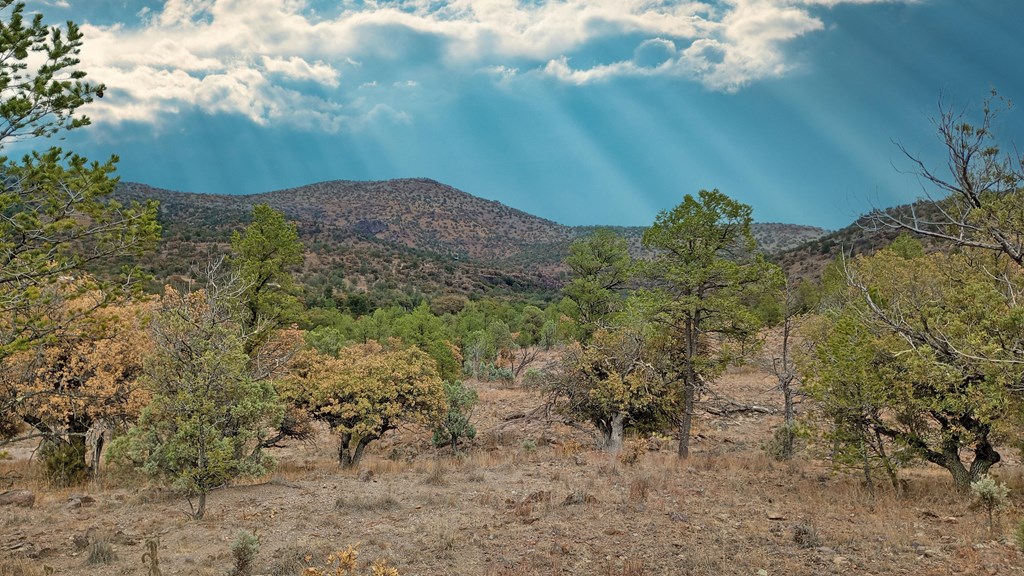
(405,235)
(863,236)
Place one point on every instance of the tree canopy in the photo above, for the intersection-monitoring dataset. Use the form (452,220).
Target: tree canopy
(921,358)
(56,216)
(703,276)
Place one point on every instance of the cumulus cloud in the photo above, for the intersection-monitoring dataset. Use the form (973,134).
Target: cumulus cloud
(248,57)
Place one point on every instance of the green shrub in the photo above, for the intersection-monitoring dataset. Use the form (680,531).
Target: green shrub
(989,495)
(499,373)
(244,550)
(455,426)
(63,461)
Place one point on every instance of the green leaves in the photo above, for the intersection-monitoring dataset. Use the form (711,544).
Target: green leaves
(39,96)
(58,224)
(455,427)
(704,278)
(704,275)
(56,221)
(921,351)
(264,256)
(600,267)
(209,415)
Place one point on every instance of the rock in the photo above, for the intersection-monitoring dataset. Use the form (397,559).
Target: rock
(76,501)
(121,537)
(775,515)
(19,498)
(365,475)
(82,541)
(578,497)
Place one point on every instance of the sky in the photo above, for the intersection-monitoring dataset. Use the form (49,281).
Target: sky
(581,111)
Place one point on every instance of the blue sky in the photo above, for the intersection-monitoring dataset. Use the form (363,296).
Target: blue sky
(581,111)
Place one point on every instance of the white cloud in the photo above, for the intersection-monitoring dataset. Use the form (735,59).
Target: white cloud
(237,56)
(298,69)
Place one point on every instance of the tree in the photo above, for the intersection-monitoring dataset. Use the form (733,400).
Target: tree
(531,325)
(455,426)
(611,381)
(39,97)
(980,204)
(366,391)
(264,256)
(210,416)
(704,271)
(82,380)
(600,266)
(425,330)
(56,218)
(933,342)
(850,395)
(796,300)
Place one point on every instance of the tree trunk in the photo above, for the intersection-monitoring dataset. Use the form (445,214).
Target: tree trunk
(868,480)
(97,452)
(786,450)
(616,433)
(344,457)
(349,456)
(961,476)
(201,507)
(686,419)
(984,457)
(359,449)
(690,383)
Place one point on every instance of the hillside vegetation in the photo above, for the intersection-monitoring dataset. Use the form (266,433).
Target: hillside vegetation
(413,235)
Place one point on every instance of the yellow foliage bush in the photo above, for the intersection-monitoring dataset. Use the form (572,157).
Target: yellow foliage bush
(343,563)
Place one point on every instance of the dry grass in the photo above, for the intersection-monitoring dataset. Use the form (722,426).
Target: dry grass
(560,508)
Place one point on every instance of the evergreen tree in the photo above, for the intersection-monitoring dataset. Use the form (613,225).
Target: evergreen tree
(704,273)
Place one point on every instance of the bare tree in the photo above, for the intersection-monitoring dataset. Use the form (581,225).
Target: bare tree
(783,368)
(979,203)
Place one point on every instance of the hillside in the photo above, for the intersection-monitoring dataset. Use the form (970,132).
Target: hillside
(863,236)
(409,235)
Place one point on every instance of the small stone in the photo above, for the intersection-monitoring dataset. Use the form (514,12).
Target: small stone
(840,560)
(365,475)
(19,498)
(775,515)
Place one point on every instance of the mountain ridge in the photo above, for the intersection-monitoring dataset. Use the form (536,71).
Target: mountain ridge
(401,231)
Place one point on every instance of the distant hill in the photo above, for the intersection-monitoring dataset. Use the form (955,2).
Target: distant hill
(405,235)
(863,236)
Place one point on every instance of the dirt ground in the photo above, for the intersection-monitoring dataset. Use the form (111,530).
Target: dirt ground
(531,497)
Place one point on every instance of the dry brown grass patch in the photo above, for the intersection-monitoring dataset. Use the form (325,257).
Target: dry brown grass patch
(368,503)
